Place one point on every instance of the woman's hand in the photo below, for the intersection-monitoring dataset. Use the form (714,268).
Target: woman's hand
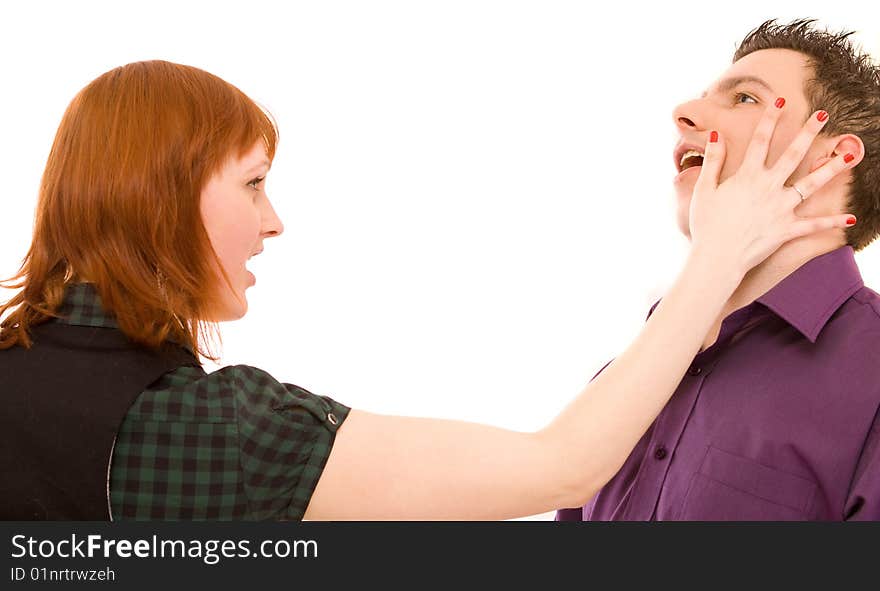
(749,215)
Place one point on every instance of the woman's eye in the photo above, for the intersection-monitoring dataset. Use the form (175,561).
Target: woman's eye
(741,95)
(256,182)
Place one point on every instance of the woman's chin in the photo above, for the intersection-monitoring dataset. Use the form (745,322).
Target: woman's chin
(233,309)
(242,309)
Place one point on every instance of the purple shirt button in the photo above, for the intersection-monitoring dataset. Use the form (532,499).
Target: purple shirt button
(660,453)
(695,371)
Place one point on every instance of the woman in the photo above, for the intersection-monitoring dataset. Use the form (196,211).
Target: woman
(151,203)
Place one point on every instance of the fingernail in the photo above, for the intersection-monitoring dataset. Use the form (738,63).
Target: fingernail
(780,102)
(713,137)
(849,158)
(851,221)
(821,116)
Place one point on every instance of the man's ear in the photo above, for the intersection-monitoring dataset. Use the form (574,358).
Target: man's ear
(846,143)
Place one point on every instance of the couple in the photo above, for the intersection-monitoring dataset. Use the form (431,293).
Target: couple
(773,419)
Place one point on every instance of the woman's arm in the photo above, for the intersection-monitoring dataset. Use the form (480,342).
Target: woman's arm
(390,467)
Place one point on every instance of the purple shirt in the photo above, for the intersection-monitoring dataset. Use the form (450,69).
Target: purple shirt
(775,421)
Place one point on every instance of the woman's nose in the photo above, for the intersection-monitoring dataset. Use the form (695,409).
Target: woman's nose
(272,225)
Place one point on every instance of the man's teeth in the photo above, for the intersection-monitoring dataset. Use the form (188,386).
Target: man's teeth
(689,154)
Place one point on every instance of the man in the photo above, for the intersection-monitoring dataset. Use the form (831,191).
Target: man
(777,416)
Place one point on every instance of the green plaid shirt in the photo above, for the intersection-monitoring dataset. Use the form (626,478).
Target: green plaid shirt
(232,444)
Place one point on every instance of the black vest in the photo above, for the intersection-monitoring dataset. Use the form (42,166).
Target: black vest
(63,401)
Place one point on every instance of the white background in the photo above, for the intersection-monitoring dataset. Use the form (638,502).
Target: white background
(477,195)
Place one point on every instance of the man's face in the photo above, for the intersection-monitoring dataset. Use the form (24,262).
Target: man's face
(733,105)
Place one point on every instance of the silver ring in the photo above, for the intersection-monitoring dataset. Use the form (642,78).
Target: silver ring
(803,197)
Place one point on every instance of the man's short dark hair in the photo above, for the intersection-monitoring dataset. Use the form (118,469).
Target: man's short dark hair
(845,82)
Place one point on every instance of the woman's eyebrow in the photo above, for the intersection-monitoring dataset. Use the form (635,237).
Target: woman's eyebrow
(258,166)
(734,81)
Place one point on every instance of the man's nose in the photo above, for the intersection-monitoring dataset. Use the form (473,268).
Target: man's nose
(689,116)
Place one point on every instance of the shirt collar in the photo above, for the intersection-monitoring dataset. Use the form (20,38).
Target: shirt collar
(809,296)
(81,306)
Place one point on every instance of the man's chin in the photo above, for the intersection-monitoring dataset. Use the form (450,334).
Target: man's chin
(684,227)
(683,208)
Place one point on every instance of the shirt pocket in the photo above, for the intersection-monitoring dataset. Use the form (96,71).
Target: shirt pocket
(729,487)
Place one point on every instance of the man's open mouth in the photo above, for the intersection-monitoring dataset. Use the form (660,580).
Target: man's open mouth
(690,159)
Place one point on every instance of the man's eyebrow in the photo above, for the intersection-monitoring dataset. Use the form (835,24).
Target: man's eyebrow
(730,83)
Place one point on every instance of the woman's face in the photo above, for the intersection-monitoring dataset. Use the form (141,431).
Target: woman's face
(237,215)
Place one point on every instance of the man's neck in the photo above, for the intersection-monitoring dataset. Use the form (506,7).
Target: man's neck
(774,269)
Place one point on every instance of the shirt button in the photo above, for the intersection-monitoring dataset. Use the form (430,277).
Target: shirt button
(660,453)
(695,370)
(332,418)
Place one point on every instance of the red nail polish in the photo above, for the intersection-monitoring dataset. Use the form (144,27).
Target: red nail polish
(849,158)
(780,102)
(713,137)
(850,221)
(821,116)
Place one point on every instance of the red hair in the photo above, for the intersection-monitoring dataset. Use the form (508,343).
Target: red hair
(119,203)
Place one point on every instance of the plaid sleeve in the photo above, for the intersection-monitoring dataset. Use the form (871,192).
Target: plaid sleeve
(233,444)
(176,452)
(285,437)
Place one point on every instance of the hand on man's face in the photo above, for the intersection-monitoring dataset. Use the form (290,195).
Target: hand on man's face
(733,106)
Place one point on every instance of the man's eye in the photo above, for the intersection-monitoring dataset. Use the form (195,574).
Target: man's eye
(255,183)
(741,95)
